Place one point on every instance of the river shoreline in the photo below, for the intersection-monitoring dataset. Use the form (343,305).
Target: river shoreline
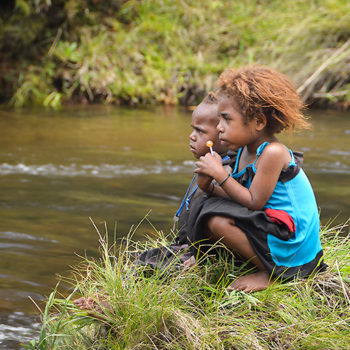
(133,53)
(192,309)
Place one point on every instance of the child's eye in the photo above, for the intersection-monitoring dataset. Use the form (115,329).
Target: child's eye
(225,117)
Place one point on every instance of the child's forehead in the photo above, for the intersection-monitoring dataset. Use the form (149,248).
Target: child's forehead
(205,113)
(228,102)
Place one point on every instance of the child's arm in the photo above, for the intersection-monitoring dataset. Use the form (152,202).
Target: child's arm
(204,182)
(274,158)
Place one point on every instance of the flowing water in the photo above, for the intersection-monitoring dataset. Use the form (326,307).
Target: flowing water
(113,165)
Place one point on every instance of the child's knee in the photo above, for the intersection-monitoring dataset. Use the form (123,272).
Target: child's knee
(219,223)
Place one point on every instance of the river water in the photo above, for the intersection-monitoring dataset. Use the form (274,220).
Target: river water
(113,165)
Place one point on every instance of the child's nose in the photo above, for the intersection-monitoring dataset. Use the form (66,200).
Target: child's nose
(192,136)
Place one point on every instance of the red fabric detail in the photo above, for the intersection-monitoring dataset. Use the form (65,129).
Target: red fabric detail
(281,217)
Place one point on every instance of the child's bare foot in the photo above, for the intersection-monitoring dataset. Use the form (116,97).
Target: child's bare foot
(252,283)
(187,264)
(80,302)
(95,307)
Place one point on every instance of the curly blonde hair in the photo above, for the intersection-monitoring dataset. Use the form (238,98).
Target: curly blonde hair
(261,90)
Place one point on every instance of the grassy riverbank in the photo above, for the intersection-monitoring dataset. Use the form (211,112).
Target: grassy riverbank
(192,310)
(162,51)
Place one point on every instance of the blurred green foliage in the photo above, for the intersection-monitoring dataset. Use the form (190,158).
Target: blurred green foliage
(162,51)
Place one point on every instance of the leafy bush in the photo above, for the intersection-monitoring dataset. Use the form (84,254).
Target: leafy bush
(162,51)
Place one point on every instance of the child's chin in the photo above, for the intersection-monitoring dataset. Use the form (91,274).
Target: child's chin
(196,155)
(194,152)
(225,143)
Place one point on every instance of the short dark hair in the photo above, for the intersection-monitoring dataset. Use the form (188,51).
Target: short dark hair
(210,99)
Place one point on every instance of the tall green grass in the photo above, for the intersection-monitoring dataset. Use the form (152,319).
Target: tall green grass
(193,310)
(170,51)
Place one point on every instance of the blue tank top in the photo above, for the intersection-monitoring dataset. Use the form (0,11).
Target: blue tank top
(293,193)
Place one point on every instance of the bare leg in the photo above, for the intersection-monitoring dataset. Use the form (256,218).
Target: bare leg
(224,229)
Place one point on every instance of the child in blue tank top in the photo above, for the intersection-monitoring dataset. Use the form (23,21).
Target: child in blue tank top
(266,209)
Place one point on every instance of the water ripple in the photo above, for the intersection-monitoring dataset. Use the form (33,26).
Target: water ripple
(102,170)
(16,328)
(112,171)
(23,236)
(332,168)
(15,245)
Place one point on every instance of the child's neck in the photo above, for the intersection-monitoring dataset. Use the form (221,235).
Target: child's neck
(253,146)
(248,155)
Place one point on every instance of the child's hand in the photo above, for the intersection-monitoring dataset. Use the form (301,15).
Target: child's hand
(210,165)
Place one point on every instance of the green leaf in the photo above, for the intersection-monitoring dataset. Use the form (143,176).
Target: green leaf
(23,6)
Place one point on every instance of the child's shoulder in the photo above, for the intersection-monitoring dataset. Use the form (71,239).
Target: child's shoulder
(275,148)
(275,152)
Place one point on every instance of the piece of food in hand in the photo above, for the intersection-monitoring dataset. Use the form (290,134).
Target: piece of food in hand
(210,145)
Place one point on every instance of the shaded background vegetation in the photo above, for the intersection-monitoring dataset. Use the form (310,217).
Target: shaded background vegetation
(167,51)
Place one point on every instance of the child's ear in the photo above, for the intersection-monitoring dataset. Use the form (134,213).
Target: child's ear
(260,121)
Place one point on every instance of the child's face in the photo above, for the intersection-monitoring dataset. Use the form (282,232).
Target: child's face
(204,125)
(233,131)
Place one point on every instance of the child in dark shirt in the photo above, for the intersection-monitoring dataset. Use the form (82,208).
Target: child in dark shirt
(204,128)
